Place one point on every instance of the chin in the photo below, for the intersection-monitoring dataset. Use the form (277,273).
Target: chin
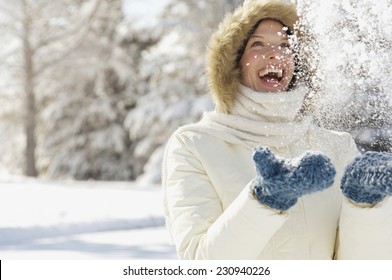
(279,88)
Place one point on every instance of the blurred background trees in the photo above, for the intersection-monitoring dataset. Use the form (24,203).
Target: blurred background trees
(174,91)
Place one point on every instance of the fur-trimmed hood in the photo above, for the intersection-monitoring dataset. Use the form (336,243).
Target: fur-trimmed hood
(222,68)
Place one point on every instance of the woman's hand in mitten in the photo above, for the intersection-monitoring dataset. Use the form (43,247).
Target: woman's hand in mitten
(368,178)
(279,183)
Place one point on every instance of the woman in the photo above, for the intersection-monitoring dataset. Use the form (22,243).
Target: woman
(256,179)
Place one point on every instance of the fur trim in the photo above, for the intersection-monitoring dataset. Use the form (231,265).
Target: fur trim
(223,72)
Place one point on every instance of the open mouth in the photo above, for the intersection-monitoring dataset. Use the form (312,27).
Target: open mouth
(271,75)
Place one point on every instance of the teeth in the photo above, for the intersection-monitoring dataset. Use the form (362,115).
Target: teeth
(271,70)
(277,71)
(263,73)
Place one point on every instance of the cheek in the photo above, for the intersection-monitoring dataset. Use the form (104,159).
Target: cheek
(290,59)
(250,59)
(292,66)
(289,62)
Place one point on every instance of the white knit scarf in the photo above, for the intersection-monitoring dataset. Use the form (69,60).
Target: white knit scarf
(258,119)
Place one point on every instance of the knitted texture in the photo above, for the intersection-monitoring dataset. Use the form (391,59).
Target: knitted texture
(368,178)
(279,183)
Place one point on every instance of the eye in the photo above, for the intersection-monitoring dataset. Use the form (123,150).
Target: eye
(257,44)
(284,46)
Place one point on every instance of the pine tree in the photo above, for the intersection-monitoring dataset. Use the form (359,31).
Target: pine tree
(86,138)
(176,91)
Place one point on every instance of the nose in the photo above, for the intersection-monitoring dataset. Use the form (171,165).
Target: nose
(274,52)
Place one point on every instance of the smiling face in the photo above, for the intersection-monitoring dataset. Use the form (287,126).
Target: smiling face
(267,64)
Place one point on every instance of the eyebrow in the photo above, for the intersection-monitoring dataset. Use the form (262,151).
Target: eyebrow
(260,36)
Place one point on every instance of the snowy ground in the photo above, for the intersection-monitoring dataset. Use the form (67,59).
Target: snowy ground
(82,220)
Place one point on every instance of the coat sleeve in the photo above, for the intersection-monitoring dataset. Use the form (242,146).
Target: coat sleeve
(198,225)
(365,232)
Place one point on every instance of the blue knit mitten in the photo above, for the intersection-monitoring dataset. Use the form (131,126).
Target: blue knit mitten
(279,183)
(368,178)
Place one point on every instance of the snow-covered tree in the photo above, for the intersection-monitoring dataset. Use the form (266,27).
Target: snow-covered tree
(41,33)
(174,68)
(70,61)
(84,118)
